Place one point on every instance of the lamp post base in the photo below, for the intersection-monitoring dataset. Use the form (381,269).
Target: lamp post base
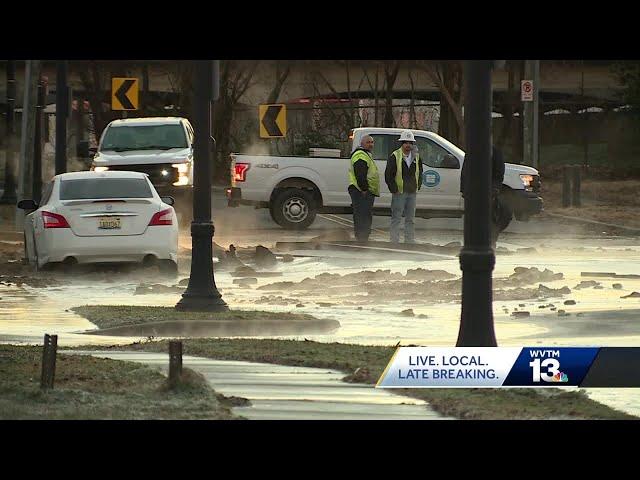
(201,303)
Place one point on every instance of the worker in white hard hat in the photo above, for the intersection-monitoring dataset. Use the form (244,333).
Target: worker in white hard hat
(403,176)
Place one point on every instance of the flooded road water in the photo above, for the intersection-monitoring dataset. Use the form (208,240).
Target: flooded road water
(599,317)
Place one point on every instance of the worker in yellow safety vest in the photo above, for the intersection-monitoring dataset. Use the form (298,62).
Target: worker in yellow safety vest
(364,187)
(403,176)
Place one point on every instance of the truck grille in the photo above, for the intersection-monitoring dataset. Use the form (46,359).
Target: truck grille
(154,172)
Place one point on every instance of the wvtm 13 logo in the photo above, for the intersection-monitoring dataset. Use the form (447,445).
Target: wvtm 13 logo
(545,366)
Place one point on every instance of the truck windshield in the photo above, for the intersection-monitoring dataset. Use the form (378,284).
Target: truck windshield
(144,137)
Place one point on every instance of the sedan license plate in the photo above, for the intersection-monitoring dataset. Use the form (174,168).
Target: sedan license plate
(109,223)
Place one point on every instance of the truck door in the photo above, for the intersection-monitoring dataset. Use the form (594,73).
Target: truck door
(440,179)
(383,145)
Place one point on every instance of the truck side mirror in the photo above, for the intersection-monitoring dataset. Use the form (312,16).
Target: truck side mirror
(168,200)
(449,161)
(27,205)
(82,149)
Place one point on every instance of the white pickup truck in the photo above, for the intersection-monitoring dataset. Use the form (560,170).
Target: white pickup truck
(161,147)
(295,189)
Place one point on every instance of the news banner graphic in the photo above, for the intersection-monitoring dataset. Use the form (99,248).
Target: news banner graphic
(492,367)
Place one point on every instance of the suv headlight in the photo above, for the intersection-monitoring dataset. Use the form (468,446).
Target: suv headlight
(527,180)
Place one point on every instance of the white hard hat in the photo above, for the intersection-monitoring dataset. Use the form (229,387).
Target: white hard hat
(406,136)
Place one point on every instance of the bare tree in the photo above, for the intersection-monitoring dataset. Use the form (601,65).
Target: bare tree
(391,69)
(283,68)
(235,79)
(447,75)
(510,103)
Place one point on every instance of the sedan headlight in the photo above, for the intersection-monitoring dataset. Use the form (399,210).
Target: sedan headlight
(527,180)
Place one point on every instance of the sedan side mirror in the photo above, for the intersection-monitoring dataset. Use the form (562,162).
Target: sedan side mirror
(27,205)
(168,200)
(449,161)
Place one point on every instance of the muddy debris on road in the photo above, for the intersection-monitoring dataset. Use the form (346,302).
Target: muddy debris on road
(385,285)
(245,282)
(264,257)
(20,280)
(526,276)
(276,300)
(247,271)
(632,295)
(587,284)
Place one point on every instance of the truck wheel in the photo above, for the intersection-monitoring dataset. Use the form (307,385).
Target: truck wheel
(504,217)
(168,268)
(293,209)
(504,221)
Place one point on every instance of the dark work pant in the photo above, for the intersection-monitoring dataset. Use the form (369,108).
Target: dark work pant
(362,217)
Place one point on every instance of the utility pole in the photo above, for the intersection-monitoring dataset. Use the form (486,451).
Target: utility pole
(27,139)
(41,98)
(62,113)
(201,293)
(536,116)
(530,114)
(9,194)
(477,258)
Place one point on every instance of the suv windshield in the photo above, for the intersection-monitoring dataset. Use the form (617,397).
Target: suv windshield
(104,188)
(144,137)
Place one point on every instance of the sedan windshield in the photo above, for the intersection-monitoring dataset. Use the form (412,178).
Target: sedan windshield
(144,137)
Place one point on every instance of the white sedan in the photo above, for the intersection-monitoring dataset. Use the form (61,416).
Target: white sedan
(101,217)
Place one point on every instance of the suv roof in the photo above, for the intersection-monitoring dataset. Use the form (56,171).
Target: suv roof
(148,121)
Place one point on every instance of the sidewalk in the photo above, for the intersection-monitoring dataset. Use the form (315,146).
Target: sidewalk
(280,392)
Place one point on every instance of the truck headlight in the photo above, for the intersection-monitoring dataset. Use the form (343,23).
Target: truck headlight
(183,174)
(527,180)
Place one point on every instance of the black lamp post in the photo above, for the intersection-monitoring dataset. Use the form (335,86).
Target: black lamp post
(477,257)
(201,293)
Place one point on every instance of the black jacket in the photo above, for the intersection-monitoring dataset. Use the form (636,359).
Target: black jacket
(497,170)
(360,169)
(408,175)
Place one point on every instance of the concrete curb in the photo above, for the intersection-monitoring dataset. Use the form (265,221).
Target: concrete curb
(593,222)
